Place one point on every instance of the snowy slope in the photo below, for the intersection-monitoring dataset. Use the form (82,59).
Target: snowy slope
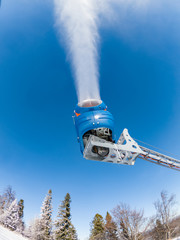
(6,234)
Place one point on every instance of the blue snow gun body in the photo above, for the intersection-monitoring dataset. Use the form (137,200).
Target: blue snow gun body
(91,117)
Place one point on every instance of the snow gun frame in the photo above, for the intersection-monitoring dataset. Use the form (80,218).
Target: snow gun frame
(126,151)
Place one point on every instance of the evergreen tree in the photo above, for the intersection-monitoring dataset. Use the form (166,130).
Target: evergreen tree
(64,227)
(124,231)
(159,232)
(110,228)
(34,231)
(21,212)
(165,212)
(21,208)
(97,228)
(11,219)
(46,217)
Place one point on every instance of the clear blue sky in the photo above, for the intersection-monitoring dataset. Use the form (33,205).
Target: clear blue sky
(140,83)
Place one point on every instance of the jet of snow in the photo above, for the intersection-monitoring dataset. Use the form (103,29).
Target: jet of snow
(77,20)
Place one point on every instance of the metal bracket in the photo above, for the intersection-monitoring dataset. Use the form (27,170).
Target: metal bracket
(124,152)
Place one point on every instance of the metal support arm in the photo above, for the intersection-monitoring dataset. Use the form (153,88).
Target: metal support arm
(126,151)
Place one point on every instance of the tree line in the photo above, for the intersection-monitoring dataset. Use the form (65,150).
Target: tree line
(41,228)
(122,223)
(131,224)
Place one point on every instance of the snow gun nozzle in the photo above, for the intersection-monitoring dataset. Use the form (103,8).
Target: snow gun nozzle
(90,103)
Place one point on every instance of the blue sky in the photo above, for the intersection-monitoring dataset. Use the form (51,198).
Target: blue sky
(140,83)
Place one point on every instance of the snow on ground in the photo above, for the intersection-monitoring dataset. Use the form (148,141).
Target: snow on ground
(6,234)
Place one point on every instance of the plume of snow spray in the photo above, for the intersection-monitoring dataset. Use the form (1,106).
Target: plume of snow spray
(77,20)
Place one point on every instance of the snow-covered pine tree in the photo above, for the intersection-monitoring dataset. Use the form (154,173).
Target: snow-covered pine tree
(64,229)
(1,205)
(34,231)
(46,217)
(11,219)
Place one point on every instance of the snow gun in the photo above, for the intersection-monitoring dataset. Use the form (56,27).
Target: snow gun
(95,134)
